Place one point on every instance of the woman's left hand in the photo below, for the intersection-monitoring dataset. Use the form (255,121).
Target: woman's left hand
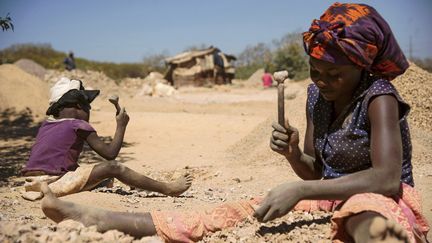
(278,202)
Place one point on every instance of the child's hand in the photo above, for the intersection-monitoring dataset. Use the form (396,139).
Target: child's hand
(122,118)
(284,141)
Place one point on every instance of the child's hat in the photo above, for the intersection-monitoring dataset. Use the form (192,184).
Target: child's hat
(68,92)
(64,85)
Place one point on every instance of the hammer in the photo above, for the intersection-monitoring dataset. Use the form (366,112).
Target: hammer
(114,99)
(280,78)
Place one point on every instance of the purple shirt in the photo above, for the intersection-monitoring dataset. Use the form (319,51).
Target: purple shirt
(58,146)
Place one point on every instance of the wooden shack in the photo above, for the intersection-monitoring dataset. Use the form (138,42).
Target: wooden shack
(200,68)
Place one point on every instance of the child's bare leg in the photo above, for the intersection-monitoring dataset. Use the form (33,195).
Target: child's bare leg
(134,224)
(124,174)
(373,227)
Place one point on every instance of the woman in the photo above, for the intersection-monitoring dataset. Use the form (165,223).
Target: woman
(357,150)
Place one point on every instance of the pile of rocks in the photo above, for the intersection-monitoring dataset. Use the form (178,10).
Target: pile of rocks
(66,231)
(415,87)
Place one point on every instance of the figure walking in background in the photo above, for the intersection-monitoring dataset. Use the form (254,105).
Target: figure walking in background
(69,62)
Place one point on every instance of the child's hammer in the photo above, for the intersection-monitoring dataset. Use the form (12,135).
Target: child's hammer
(114,99)
(280,78)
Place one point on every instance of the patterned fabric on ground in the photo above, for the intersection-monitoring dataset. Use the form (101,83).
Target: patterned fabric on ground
(355,34)
(69,183)
(404,210)
(193,226)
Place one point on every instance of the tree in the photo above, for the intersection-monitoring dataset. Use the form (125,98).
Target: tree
(292,59)
(6,23)
(259,54)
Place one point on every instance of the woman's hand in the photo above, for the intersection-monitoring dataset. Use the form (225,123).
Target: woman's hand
(285,141)
(122,118)
(278,202)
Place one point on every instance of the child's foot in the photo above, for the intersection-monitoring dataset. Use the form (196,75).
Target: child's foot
(58,210)
(383,230)
(179,186)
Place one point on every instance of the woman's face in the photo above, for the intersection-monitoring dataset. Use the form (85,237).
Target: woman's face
(335,82)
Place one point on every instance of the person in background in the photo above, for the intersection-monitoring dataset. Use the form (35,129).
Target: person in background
(267,79)
(69,62)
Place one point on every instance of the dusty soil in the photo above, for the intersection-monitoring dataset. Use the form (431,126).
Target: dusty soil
(219,134)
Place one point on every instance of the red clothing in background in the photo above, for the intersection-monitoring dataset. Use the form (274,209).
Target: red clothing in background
(267,80)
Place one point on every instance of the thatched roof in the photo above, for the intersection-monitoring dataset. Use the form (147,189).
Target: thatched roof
(189,55)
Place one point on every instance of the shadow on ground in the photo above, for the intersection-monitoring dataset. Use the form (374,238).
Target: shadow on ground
(17,133)
(285,227)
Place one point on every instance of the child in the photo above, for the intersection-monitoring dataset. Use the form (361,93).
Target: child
(356,160)
(60,140)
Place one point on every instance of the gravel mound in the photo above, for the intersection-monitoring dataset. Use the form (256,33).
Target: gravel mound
(415,86)
(31,67)
(21,91)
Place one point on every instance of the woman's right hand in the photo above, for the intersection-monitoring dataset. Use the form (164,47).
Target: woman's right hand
(285,141)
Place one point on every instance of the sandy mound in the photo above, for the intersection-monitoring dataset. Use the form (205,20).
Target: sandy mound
(91,80)
(415,86)
(31,67)
(20,90)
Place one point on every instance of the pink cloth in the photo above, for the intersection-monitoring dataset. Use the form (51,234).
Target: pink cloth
(57,146)
(267,80)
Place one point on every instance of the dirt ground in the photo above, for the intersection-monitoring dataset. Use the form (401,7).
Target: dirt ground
(219,135)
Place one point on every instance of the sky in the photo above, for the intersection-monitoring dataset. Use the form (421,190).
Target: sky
(129,30)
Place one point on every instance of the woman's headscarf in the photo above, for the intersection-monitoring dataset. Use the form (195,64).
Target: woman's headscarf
(355,33)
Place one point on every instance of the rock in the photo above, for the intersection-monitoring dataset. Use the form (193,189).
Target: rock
(70,224)
(163,90)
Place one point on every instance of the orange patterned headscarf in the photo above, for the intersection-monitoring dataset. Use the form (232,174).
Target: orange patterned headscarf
(355,34)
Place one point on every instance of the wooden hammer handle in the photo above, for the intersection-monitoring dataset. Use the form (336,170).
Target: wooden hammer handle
(281,105)
(280,78)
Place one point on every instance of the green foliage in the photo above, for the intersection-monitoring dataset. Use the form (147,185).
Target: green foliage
(292,59)
(49,58)
(6,23)
(287,54)
(244,72)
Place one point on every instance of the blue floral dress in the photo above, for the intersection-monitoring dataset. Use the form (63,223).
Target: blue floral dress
(343,145)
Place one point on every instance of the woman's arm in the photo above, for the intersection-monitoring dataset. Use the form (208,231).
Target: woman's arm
(383,177)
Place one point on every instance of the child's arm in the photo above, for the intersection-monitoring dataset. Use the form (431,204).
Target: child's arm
(111,150)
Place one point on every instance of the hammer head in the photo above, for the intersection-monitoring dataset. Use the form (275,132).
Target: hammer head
(114,99)
(280,76)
